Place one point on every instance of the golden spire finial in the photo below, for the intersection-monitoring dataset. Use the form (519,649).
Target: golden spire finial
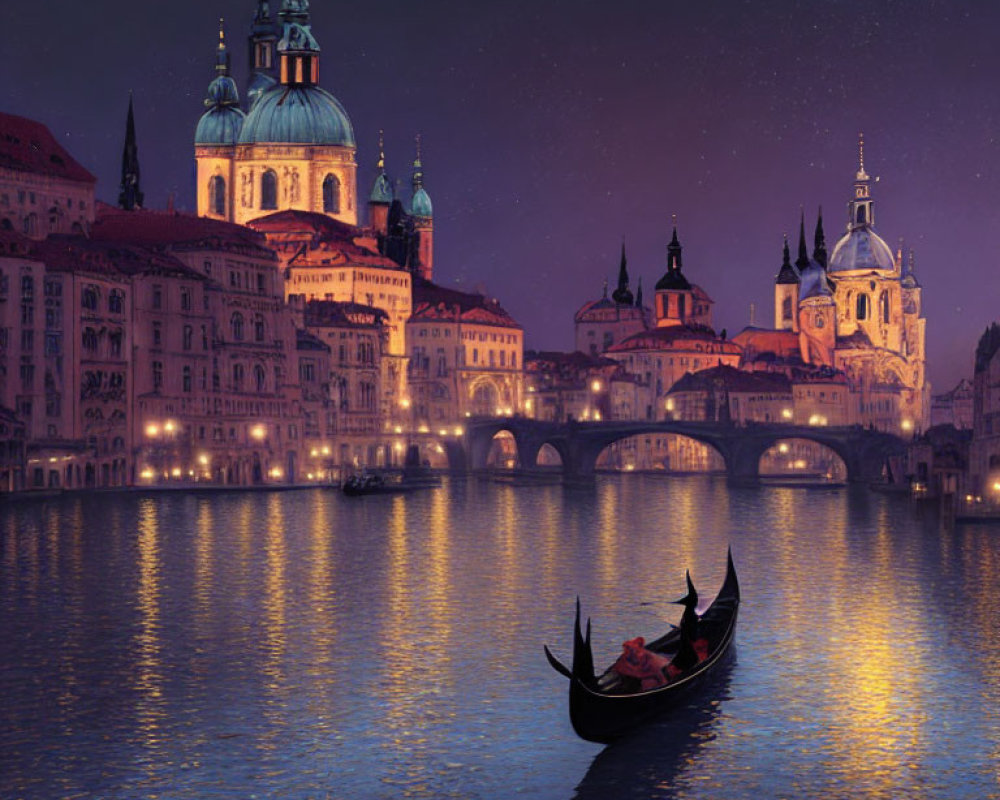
(381,150)
(418,150)
(861,152)
(222,33)
(673,219)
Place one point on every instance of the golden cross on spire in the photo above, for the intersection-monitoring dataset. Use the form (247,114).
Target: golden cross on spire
(381,150)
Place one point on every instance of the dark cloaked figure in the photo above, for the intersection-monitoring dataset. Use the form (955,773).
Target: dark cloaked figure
(686,656)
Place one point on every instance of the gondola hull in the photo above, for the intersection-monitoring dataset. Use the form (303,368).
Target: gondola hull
(603,716)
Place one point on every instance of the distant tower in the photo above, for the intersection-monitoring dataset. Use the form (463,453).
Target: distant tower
(786,294)
(817,310)
(264,35)
(423,220)
(622,295)
(673,291)
(382,194)
(215,139)
(130,196)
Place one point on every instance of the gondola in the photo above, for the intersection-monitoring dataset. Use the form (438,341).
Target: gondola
(606,707)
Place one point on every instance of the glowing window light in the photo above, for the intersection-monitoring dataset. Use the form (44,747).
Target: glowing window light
(325,450)
(423,429)
(786,413)
(459,430)
(596,386)
(152,429)
(146,474)
(782,448)
(169,426)
(203,459)
(276,472)
(176,472)
(258,432)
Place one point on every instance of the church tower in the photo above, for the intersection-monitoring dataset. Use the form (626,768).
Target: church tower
(215,139)
(423,221)
(295,148)
(786,294)
(817,310)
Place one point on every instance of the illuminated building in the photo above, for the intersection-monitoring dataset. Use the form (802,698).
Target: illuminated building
(602,323)
(860,312)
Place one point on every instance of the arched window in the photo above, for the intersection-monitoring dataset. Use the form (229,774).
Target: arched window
(786,308)
(217,194)
(331,194)
(883,307)
(258,328)
(260,377)
(237,326)
(862,309)
(238,377)
(269,190)
(861,215)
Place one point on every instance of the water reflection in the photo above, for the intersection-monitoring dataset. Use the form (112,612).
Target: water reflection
(662,758)
(305,644)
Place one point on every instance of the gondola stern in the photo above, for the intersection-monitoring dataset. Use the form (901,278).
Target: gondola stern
(583,657)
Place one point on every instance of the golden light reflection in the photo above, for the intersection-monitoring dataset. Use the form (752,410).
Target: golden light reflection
(204,575)
(148,647)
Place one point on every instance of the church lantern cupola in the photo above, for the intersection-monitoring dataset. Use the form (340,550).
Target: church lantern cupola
(382,193)
(298,51)
(264,34)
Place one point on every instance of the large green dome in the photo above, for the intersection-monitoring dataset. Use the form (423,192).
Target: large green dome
(219,125)
(297,115)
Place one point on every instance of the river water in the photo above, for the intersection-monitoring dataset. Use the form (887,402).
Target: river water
(303,644)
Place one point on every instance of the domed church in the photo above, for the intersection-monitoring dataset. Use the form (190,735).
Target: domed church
(294,147)
(860,311)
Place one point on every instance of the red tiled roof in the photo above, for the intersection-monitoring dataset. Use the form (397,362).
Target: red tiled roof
(168,228)
(328,241)
(732,380)
(675,337)
(65,253)
(431,301)
(14,245)
(28,146)
(756,341)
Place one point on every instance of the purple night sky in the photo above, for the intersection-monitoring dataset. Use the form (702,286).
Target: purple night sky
(553,128)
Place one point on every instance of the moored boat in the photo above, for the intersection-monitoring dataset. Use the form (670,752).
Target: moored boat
(603,708)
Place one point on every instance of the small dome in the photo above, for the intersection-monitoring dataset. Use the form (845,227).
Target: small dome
(421,206)
(382,190)
(219,125)
(260,82)
(222,91)
(861,248)
(297,115)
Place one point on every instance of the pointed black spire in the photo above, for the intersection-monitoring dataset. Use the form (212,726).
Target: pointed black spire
(787,273)
(638,294)
(803,260)
(819,242)
(622,295)
(130,196)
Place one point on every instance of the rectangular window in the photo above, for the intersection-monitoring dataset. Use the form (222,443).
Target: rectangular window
(27,377)
(185,299)
(157,296)
(157,334)
(27,341)
(157,375)
(53,344)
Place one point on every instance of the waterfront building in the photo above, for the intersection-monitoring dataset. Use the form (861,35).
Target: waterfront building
(356,337)
(466,357)
(730,395)
(12,453)
(215,376)
(602,323)
(984,450)
(565,386)
(860,312)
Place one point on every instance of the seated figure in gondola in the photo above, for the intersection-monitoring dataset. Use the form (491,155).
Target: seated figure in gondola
(644,665)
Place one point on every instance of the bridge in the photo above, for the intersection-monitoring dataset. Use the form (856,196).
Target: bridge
(579,444)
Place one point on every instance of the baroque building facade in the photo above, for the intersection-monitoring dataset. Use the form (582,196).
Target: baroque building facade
(859,311)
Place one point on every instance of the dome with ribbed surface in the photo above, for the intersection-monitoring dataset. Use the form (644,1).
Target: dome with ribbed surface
(862,248)
(297,115)
(260,82)
(219,125)
(382,190)
(421,206)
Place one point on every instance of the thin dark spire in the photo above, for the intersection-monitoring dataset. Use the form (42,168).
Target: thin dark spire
(638,294)
(819,242)
(803,260)
(622,295)
(130,195)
